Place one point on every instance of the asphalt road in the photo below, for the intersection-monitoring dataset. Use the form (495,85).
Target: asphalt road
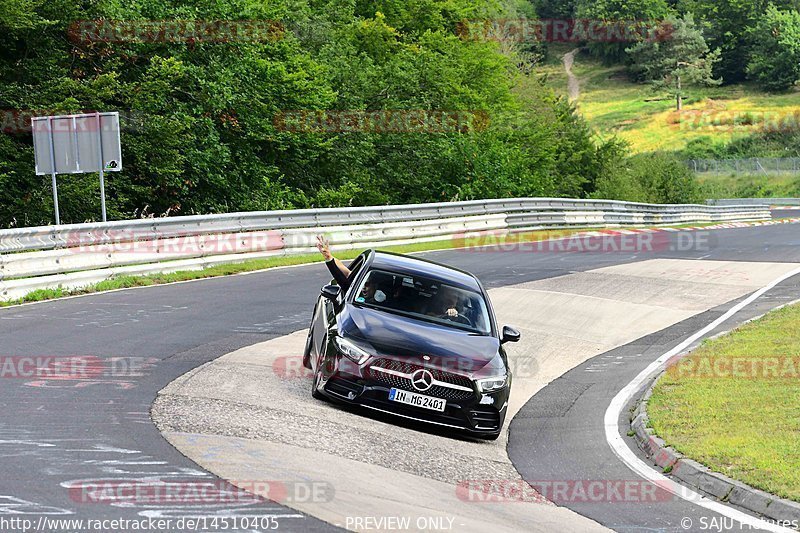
(785,213)
(560,435)
(57,433)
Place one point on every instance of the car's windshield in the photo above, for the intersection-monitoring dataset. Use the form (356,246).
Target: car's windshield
(425,299)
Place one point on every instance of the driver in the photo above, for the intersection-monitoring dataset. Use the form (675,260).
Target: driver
(446,304)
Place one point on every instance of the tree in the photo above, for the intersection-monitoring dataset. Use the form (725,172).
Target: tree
(613,12)
(205,125)
(19,14)
(682,60)
(725,24)
(775,59)
(555,9)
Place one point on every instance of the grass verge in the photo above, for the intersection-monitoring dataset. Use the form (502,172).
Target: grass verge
(734,404)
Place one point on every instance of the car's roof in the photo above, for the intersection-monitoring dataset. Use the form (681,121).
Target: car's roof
(404,264)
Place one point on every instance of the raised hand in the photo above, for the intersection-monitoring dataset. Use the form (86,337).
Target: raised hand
(324,247)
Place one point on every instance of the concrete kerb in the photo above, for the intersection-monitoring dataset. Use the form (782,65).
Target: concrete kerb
(697,476)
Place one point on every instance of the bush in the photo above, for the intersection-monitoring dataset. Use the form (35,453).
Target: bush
(705,147)
(652,178)
(768,144)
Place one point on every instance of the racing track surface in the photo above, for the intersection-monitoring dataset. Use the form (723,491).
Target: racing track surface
(60,431)
(564,422)
(785,213)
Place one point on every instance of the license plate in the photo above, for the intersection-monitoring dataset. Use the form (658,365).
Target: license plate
(417,400)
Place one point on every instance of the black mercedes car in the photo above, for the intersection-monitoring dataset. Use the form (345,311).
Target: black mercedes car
(415,339)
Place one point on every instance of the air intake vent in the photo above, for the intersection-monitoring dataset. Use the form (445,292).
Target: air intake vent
(488,418)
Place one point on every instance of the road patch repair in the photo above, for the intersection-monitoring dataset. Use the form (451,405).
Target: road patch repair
(249,415)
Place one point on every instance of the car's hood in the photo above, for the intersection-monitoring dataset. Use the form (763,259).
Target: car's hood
(399,337)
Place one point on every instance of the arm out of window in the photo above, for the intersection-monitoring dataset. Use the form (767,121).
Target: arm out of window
(339,272)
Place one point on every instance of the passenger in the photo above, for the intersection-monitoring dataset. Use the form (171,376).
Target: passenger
(337,269)
(370,293)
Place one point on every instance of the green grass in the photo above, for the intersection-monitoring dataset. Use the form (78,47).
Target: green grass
(745,426)
(647,120)
(125,282)
(750,186)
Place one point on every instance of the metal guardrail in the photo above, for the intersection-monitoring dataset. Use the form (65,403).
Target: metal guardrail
(549,211)
(756,201)
(72,256)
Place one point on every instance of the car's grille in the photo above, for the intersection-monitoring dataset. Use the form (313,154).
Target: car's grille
(436,391)
(485,418)
(438,374)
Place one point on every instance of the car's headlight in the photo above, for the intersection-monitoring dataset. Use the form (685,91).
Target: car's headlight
(492,384)
(351,351)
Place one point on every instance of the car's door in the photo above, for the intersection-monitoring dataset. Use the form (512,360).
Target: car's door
(325,311)
(317,328)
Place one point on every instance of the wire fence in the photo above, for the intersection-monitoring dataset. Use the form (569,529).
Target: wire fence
(783,202)
(753,165)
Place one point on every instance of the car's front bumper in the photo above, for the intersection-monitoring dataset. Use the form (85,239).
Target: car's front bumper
(470,411)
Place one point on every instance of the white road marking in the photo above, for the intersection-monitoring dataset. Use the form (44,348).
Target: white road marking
(28,443)
(626,455)
(11,505)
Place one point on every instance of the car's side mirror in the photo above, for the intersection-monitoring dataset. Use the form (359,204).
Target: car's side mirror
(509,335)
(331,292)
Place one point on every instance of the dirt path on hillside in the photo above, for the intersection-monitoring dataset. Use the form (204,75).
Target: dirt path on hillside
(573,86)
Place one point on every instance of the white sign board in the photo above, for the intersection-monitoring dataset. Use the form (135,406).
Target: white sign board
(73,144)
(75,140)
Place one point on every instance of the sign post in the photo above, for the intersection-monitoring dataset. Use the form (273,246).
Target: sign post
(73,144)
(53,167)
(101,164)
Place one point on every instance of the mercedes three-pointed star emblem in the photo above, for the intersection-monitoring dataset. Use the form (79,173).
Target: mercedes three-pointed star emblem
(422,380)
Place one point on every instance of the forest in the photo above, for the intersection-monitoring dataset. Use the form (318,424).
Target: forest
(241,105)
